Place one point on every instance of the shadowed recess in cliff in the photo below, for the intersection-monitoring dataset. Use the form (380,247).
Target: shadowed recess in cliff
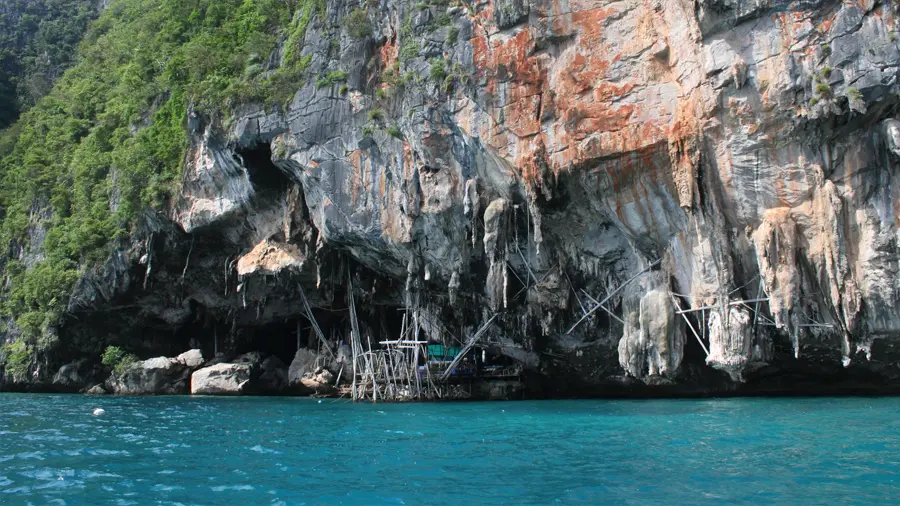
(263,173)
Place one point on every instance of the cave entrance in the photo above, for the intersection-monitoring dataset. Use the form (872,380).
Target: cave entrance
(280,339)
(264,174)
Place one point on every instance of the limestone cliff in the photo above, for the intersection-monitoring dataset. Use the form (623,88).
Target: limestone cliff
(530,158)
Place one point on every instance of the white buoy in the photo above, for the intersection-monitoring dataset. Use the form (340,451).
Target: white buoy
(99,412)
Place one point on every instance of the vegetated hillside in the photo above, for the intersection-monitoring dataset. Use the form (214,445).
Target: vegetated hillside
(38,39)
(108,141)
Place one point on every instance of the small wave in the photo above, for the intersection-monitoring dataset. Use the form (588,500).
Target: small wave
(92,474)
(30,455)
(132,437)
(102,451)
(223,488)
(166,488)
(263,449)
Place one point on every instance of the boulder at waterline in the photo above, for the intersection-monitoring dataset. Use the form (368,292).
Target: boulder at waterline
(221,379)
(160,375)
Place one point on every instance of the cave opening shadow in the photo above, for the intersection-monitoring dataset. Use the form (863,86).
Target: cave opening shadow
(264,174)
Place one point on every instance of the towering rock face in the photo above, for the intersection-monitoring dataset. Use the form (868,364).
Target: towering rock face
(530,157)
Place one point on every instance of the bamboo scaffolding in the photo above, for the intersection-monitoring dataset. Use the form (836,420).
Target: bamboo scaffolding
(312,319)
(693,330)
(466,348)
(732,303)
(612,294)
(603,307)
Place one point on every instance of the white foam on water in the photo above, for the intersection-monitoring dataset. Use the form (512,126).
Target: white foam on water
(223,488)
(263,449)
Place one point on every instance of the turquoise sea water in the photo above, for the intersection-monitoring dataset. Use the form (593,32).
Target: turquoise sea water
(249,451)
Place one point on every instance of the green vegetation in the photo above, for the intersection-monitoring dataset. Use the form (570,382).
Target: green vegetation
(357,24)
(376,115)
(117,359)
(338,76)
(394,131)
(823,89)
(438,70)
(390,74)
(452,35)
(458,75)
(409,49)
(854,94)
(17,360)
(108,141)
(443,19)
(37,43)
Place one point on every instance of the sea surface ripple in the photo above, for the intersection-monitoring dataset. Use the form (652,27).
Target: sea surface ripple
(286,451)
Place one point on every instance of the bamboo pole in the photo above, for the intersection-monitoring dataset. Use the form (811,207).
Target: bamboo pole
(677,305)
(312,319)
(603,307)
(732,303)
(467,347)
(613,293)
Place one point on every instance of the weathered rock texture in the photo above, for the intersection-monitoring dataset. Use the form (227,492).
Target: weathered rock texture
(749,146)
(160,375)
(221,379)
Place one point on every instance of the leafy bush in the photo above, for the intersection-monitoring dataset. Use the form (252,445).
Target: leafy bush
(394,131)
(823,89)
(338,76)
(438,70)
(117,359)
(409,49)
(357,24)
(452,35)
(376,115)
(17,360)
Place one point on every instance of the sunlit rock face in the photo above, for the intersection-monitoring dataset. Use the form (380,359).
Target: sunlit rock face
(750,147)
